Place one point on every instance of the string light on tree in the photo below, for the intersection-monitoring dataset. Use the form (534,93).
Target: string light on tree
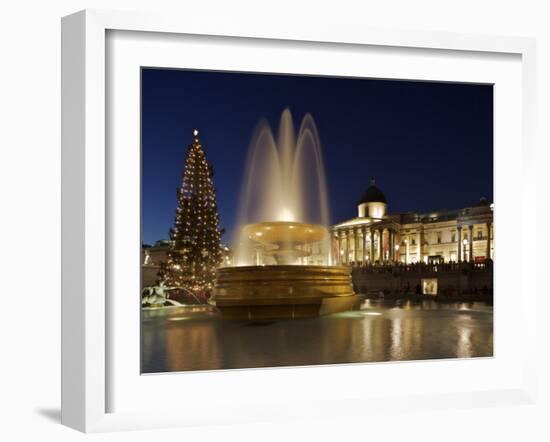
(195,246)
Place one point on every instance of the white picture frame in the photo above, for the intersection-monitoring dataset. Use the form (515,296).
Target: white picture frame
(86,204)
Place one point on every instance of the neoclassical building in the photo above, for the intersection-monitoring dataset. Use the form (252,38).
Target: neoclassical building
(376,237)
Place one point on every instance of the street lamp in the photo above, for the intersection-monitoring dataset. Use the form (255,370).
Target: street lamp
(397,257)
(465,243)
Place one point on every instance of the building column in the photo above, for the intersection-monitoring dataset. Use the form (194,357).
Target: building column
(336,236)
(341,250)
(398,244)
(348,237)
(364,239)
(333,244)
(459,242)
(471,243)
(331,247)
(382,249)
(407,248)
(395,243)
(355,245)
(418,247)
(377,245)
(352,242)
(488,253)
(371,258)
(380,233)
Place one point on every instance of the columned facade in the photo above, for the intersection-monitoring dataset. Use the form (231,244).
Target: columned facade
(377,238)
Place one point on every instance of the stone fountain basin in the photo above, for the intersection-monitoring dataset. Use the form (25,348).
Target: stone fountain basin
(283,291)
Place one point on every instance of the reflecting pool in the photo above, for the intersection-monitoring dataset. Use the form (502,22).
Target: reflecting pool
(195,338)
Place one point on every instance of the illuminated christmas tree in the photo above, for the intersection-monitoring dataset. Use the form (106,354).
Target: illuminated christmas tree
(195,250)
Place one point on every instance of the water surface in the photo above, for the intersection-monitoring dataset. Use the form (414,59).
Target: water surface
(183,338)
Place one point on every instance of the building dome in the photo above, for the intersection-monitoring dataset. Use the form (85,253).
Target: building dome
(483,202)
(373,194)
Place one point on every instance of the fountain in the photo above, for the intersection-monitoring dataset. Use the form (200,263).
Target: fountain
(282,264)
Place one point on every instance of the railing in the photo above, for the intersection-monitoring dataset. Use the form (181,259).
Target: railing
(423,267)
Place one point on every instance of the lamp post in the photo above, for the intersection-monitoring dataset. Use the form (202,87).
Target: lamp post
(397,253)
(465,243)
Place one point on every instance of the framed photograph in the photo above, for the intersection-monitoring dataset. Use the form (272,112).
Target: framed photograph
(285,223)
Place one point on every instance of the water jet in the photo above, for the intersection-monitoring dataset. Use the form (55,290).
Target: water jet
(282,249)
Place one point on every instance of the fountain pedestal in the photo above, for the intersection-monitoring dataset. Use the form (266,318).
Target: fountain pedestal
(283,291)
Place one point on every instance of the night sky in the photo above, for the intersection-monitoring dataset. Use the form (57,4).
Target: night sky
(429,145)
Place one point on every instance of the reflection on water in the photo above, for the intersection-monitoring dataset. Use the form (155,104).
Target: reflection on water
(180,339)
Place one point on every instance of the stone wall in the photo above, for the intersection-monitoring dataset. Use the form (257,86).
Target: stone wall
(453,279)
(149,275)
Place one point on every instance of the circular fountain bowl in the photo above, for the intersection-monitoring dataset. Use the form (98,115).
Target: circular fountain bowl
(283,291)
(283,239)
(276,232)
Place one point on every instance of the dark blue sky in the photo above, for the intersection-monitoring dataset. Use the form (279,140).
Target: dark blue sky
(429,145)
